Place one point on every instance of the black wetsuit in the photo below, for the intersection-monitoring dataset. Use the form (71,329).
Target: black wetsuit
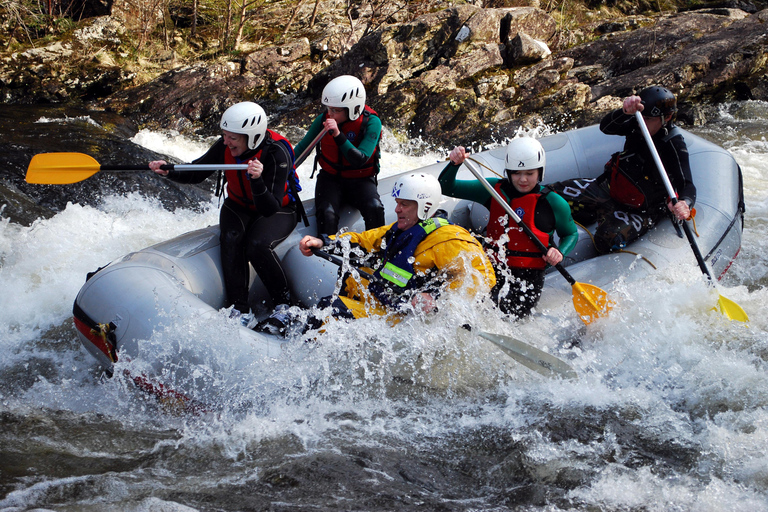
(250,233)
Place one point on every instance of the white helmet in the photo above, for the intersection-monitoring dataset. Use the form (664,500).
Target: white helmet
(422,188)
(345,91)
(247,118)
(525,153)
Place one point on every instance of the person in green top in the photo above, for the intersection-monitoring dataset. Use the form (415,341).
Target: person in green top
(348,154)
(518,262)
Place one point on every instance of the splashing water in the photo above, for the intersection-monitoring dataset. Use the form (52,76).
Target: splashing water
(669,412)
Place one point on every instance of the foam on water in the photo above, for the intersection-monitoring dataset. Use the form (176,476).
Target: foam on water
(669,412)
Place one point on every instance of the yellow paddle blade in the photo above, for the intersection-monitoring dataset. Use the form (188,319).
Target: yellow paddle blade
(590,302)
(732,310)
(61,168)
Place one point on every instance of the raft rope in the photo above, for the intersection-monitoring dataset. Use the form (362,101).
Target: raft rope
(106,332)
(481,164)
(692,218)
(620,250)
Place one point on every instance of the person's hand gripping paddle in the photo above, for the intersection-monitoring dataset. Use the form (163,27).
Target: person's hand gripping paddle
(727,307)
(590,301)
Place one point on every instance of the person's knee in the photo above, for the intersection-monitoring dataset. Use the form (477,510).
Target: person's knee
(230,236)
(257,250)
(328,219)
(611,237)
(372,211)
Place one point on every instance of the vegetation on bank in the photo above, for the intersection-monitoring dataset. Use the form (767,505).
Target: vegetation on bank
(212,29)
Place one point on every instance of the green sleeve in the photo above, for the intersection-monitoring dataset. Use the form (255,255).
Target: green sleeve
(471,190)
(314,129)
(564,225)
(368,145)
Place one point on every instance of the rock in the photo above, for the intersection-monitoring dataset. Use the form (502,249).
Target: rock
(29,130)
(19,207)
(697,55)
(104,29)
(524,49)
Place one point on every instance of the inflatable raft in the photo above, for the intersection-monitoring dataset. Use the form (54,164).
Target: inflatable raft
(145,291)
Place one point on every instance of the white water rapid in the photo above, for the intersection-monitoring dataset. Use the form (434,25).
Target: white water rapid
(670,412)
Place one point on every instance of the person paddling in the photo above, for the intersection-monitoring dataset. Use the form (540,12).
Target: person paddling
(518,262)
(259,211)
(629,197)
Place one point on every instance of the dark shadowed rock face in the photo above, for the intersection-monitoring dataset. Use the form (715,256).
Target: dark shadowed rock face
(28,130)
(703,55)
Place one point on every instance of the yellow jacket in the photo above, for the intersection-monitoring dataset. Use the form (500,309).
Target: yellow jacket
(449,248)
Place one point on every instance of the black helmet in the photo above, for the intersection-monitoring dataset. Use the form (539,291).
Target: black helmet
(657,101)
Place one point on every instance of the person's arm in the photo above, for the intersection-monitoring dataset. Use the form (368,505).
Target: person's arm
(679,168)
(269,188)
(451,258)
(314,129)
(564,226)
(618,123)
(471,190)
(214,155)
(357,156)
(369,241)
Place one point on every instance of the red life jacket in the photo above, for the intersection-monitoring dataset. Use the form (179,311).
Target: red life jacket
(622,188)
(520,252)
(238,184)
(330,157)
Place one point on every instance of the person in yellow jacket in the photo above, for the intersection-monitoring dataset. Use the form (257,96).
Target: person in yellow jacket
(416,258)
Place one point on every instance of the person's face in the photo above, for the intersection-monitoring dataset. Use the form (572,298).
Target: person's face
(338,114)
(407,213)
(236,142)
(524,181)
(654,124)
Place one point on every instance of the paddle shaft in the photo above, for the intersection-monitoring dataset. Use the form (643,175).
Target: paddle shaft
(337,260)
(304,154)
(474,170)
(210,167)
(671,192)
(175,167)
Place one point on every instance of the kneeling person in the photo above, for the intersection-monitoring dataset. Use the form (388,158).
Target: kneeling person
(418,256)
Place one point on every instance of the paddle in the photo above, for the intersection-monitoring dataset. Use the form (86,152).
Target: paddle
(590,301)
(727,307)
(525,354)
(66,168)
(304,154)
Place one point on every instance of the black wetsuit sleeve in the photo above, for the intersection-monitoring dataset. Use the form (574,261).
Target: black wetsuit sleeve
(269,188)
(618,123)
(676,162)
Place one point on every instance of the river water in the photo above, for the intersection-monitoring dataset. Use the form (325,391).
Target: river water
(670,412)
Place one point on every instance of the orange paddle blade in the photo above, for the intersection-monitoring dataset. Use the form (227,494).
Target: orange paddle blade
(590,302)
(61,168)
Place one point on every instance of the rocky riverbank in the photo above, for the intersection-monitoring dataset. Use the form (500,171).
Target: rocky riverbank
(454,75)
